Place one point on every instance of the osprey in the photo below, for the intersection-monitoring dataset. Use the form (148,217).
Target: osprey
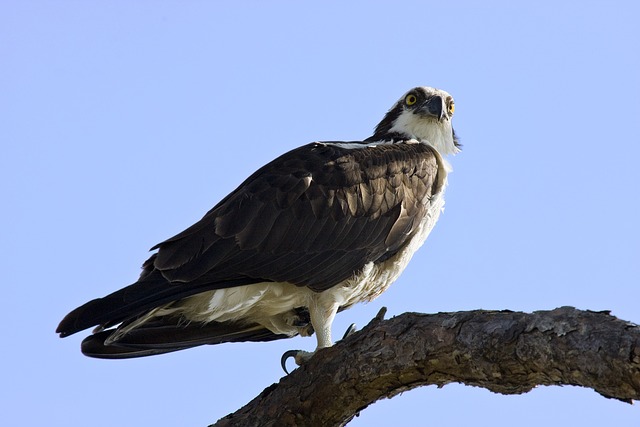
(318,229)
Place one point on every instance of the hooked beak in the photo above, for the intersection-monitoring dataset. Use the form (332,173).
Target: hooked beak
(434,107)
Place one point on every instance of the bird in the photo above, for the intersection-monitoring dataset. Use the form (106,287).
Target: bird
(322,227)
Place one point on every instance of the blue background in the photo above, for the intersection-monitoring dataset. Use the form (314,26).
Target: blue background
(121,123)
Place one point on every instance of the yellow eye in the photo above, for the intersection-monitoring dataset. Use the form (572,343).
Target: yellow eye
(452,108)
(410,99)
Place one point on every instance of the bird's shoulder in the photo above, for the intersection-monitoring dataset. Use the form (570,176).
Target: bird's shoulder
(319,172)
(340,163)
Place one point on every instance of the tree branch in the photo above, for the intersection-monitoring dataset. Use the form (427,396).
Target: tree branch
(503,351)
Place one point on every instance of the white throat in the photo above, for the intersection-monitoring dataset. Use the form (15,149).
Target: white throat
(438,134)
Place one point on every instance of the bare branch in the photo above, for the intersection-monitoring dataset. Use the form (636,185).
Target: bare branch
(503,351)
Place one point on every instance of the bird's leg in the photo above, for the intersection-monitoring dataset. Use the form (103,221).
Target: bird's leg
(322,311)
(322,314)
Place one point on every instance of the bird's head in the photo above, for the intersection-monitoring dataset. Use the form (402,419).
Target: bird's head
(423,114)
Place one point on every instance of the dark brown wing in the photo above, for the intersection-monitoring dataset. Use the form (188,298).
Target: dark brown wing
(312,217)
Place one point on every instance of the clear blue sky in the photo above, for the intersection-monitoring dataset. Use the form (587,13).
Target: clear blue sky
(121,123)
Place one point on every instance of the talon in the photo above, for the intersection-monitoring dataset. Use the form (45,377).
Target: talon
(350,330)
(286,356)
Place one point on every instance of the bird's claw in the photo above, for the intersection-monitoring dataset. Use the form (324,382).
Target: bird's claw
(299,356)
(286,356)
(350,330)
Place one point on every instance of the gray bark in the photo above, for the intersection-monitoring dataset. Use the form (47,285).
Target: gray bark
(503,351)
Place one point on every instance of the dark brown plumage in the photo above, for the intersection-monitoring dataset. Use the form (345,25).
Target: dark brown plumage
(313,217)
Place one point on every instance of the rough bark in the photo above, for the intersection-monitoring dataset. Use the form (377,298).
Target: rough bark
(503,351)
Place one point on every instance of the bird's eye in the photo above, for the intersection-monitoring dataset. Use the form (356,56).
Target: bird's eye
(410,99)
(452,108)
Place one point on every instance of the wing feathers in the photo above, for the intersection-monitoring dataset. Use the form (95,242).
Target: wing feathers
(313,217)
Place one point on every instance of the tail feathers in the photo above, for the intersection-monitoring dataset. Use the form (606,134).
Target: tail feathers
(159,338)
(93,346)
(150,292)
(118,306)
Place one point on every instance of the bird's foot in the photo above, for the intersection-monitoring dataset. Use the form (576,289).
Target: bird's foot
(299,319)
(301,356)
